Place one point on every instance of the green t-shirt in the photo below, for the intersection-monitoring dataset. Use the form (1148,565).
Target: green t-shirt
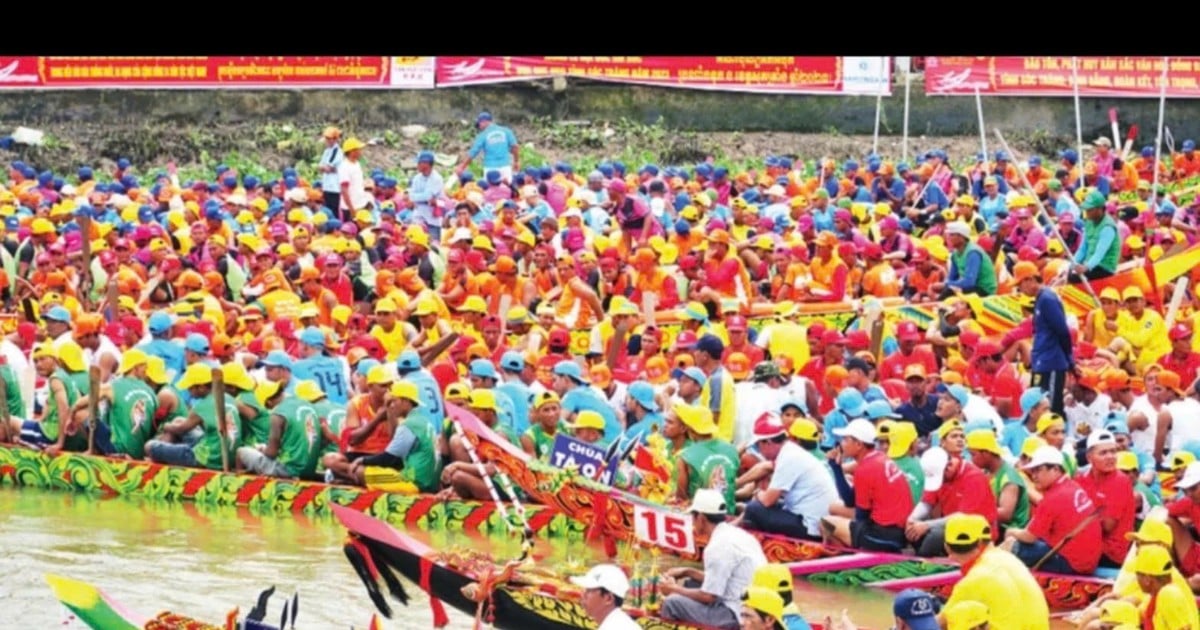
(50,419)
(208,450)
(714,464)
(131,415)
(302,440)
(16,404)
(543,443)
(1006,475)
(334,416)
(422,466)
(911,467)
(258,428)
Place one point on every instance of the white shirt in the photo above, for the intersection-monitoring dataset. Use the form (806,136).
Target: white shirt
(730,559)
(351,173)
(1185,423)
(107,347)
(26,374)
(978,408)
(619,620)
(1143,440)
(1093,415)
(331,156)
(754,399)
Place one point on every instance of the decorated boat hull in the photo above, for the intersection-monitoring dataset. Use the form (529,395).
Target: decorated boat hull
(110,477)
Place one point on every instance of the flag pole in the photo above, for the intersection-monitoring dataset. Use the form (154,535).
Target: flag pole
(907,90)
(1078,118)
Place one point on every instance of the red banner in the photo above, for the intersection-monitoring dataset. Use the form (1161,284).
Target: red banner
(788,75)
(212,72)
(1126,77)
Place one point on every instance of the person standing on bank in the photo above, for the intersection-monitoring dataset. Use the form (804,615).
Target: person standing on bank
(1053,354)
(499,146)
(350,180)
(331,158)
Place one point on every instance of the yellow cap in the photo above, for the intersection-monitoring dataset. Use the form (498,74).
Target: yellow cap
(473,304)
(1180,460)
(1127,460)
(482,399)
(983,440)
(308,391)
(588,419)
(900,439)
(545,398)
(71,357)
(406,390)
(764,600)
(1152,531)
(308,309)
(964,529)
(378,375)
(425,306)
(1132,292)
(341,313)
(947,427)
(773,576)
(234,373)
(156,370)
(1153,560)
(482,242)
(803,429)
(1048,421)
(352,144)
(266,391)
(416,236)
(1031,444)
(697,418)
(196,374)
(1110,293)
(966,614)
(131,359)
(458,392)
(1119,612)
(386,305)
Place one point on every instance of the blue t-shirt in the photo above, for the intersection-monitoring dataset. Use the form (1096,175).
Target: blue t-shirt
(328,372)
(643,428)
(518,393)
(170,353)
(496,143)
(429,393)
(585,397)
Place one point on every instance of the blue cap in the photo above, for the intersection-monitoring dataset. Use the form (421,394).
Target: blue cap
(45,177)
(290,181)
(196,343)
(619,167)
(785,163)
(682,227)
(58,182)
(377,174)
(794,401)
(364,366)
(917,609)
(1147,152)
(129,181)
(250,181)
(101,187)
(704,169)
(408,361)
(711,345)
(750,195)
(873,164)
(940,153)
(160,321)
(902,167)
(877,409)
(12,223)
(312,336)
(979,424)
(229,181)
(696,374)
(17,165)
(850,402)
(957,392)
(466,176)
(482,117)
(606,170)
(1035,160)
(648,168)
(1069,155)
(782,180)
(484,369)
(123,163)
(1117,423)
(771,160)
(720,172)
(213,214)
(850,165)
(493,178)
(1001,156)
(512,362)
(643,394)
(545,172)
(1189,145)
(425,156)
(289,171)
(1030,398)
(59,314)
(278,358)
(28,172)
(571,370)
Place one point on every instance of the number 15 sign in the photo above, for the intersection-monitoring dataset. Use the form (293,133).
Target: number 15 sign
(664,529)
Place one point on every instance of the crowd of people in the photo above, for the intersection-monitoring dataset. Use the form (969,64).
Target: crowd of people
(662,308)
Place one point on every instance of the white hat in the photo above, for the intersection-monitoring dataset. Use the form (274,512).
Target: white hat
(776,191)
(609,577)
(461,234)
(933,464)
(529,191)
(958,227)
(861,430)
(1191,476)
(1047,455)
(296,195)
(708,501)
(1100,437)
(571,212)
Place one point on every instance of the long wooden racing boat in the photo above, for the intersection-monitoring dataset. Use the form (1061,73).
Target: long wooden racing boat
(515,596)
(613,513)
(109,477)
(100,611)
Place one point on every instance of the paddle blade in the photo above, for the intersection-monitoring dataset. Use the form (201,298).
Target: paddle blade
(259,612)
(295,610)
(284,617)
(1133,133)
(1112,115)
(360,567)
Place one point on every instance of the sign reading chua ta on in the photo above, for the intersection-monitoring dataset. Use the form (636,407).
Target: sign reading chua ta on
(1057,76)
(787,75)
(589,460)
(346,72)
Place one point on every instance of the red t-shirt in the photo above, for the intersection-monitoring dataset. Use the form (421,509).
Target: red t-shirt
(1184,508)
(1063,506)
(881,488)
(1114,493)
(1005,384)
(1186,369)
(970,493)
(894,365)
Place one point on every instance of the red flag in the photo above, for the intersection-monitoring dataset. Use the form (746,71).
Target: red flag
(440,620)
(375,625)
(1148,265)
(644,461)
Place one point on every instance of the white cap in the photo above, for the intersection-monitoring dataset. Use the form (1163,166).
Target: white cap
(296,195)
(609,577)
(958,227)
(1191,476)
(1046,455)
(571,212)
(933,464)
(1100,437)
(776,191)
(708,501)
(461,234)
(861,430)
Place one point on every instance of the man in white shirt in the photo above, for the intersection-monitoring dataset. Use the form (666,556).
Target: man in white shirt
(730,559)
(605,587)
(1087,406)
(423,191)
(350,179)
(1179,419)
(800,491)
(331,158)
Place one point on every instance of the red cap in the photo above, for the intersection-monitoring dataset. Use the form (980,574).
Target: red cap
(968,338)
(817,329)
(987,348)
(873,251)
(132,324)
(985,241)
(920,254)
(833,336)
(1027,253)
(455,256)
(559,337)
(907,331)
(689,262)
(475,261)
(846,250)
(686,339)
(1085,350)
(768,425)
(858,340)
(735,322)
(1180,331)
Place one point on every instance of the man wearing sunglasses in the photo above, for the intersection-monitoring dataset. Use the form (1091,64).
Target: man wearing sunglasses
(800,491)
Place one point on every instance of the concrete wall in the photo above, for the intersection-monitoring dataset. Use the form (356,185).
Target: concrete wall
(686,109)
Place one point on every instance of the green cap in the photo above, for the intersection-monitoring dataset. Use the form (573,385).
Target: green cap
(1054,184)
(1093,199)
(844,202)
(822,194)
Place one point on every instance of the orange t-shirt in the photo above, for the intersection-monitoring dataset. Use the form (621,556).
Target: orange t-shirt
(881,281)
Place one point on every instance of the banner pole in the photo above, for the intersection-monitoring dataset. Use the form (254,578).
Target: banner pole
(1158,139)
(1078,117)
(982,131)
(878,106)
(907,89)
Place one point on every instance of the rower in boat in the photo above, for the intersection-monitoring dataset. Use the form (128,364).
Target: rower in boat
(589,427)
(1168,606)
(1112,491)
(206,453)
(899,441)
(712,596)
(1064,534)
(1008,486)
(762,609)
(538,440)
(255,417)
(968,615)
(777,577)
(882,498)
(1184,515)
(463,476)
(261,458)
(952,486)
(366,430)
(992,576)
(576,394)
(706,462)
(643,413)
(410,463)
(604,589)
(330,417)
(1127,593)
(800,489)
(914,609)
(128,409)
(51,431)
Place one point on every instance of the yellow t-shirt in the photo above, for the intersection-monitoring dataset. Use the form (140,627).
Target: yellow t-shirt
(1001,582)
(1148,335)
(394,341)
(727,411)
(1174,609)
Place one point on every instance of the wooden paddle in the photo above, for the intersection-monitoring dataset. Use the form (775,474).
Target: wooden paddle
(1071,534)
(93,406)
(218,383)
